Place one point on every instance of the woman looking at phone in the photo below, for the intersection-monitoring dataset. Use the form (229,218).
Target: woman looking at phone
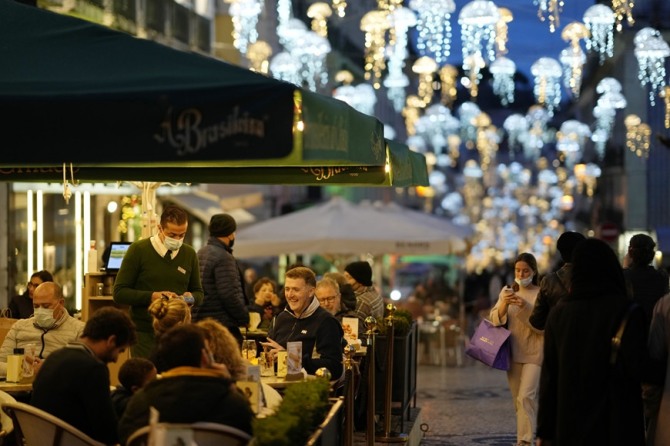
(514,307)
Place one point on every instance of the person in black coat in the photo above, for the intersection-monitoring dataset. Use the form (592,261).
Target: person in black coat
(584,398)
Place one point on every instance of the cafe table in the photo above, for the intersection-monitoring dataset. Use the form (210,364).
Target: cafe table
(16,387)
(282,383)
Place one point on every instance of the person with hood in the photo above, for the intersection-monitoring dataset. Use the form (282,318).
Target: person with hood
(223,280)
(590,385)
(306,321)
(555,286)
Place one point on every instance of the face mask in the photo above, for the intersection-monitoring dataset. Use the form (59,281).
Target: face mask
(231,242)
(172,244)
(44,317)
(524,282)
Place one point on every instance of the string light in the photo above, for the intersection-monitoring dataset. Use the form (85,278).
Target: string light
(551,10)
(375,24)
(478,20)
(433,27)
(516,126)
(599,20)
(284,67)
(547,73)
(448,76)
(502,30)
(340,7)
(623,9)
(258,54)
(401,20)
(319,12)
(573,58)
(666,98)
(503,70)
(638,136)
(245,14)
(425,67)
(651,51)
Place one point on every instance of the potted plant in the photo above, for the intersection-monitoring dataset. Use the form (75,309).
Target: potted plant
(299,419)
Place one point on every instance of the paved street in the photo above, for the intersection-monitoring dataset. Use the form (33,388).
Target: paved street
(459,406)
(467,405)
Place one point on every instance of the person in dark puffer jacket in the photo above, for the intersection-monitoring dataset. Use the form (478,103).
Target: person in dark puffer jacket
(222,279)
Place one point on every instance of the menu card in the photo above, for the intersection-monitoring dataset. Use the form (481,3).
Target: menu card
(294,362)
(350,327)
(251,387)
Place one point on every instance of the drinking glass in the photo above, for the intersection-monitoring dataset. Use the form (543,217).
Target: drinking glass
(249,349)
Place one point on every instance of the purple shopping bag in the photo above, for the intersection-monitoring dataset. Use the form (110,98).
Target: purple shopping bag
(490,345)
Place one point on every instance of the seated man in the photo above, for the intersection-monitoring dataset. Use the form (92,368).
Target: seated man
(193,389)
(306,321)
(50,328)
(73,382)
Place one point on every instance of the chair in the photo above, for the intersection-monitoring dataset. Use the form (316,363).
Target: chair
(204,434)
(6,420)
(35,427)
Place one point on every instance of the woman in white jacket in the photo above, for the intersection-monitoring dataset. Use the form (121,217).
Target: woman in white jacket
(514,307)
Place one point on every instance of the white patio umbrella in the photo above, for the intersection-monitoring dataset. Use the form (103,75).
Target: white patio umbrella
(340,227)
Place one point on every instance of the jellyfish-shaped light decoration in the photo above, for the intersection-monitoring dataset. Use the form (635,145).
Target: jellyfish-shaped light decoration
(502,28)
(448,78)
(651,51)
(570,140)
(375,24)
(604,112)
(244,15)
(547,89)
(291,33)
(572,60)
(401,20)
(467,114)
(503,70)
(599,19)
(550,10)
(312,57)
(258,54)
(478,20)
(426,68)
(433,27)
(537,136)
(573,57)
(319,12)
(285,67)
(516,126)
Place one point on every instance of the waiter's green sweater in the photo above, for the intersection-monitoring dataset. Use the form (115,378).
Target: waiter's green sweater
(144,271)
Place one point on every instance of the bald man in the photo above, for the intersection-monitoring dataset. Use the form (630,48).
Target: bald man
(50,327)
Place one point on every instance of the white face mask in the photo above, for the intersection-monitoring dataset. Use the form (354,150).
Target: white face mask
(524,282)
(172,243)
(44,317)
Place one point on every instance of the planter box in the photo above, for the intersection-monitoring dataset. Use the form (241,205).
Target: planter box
(330,432)
(404,373)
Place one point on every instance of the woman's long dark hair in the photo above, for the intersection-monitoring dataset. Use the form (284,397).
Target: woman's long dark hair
(596,271)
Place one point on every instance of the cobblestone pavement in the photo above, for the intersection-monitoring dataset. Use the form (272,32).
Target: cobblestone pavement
(466,405)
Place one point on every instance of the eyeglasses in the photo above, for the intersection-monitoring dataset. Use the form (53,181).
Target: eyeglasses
(328,299)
